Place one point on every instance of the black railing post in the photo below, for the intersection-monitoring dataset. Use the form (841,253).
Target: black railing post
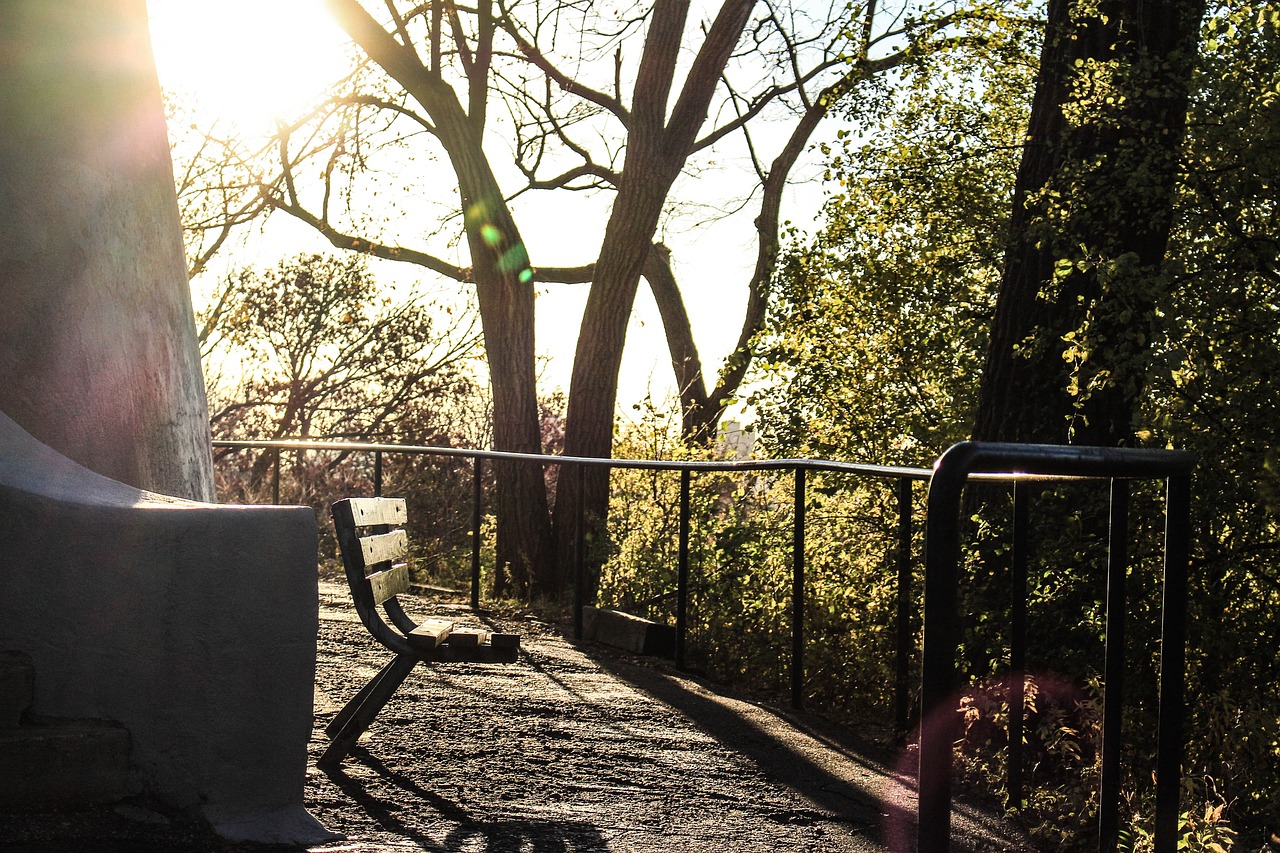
(902,667)
(1173,635)
(1017,641)
(797,594)
(275,476)
(1113,667)
(580,555)
(938,719)
(477,498)
(377,473)
(682,577)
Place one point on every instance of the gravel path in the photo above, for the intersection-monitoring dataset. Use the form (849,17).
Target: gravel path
(580,749)
(571,749)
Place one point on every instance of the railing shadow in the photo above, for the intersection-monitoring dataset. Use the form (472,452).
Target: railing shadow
(852,784)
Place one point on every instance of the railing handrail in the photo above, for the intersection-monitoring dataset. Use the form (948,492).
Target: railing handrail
(903,475)
(883,471)
(1050,466)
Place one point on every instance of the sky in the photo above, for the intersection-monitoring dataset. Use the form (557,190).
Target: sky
(256,59)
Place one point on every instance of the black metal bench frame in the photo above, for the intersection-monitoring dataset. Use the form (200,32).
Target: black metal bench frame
(376,577)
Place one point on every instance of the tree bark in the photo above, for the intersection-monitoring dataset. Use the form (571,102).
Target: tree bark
(1074,317)
(504,288)
(97,339)
(657,147)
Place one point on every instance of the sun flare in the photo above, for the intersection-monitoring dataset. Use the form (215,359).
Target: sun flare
(250,61)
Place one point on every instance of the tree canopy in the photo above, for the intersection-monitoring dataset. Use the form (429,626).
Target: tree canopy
(608,106)
(1190,343)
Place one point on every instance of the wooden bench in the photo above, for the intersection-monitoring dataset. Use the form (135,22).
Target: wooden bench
(372,542)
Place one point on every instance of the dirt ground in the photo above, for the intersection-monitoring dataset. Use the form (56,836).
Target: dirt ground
(570,749)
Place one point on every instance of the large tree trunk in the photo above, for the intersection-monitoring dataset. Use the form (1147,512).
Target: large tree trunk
(593,389)
(501,273)
(506,296)
(524,557)
(657,147)
(97,340)
(1092,210)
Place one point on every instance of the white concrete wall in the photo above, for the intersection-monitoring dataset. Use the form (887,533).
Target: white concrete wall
(193,625)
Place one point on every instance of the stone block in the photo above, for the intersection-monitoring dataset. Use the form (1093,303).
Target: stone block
(629,633)
(17,688)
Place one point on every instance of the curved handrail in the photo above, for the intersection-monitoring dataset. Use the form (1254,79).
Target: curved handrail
(942,627)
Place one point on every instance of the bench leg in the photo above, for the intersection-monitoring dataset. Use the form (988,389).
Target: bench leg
(375,695)
(340,719)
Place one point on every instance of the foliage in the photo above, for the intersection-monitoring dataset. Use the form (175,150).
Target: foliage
(741,571)
(878,325)
(313,349)
(1213,392)
(617,111)
(862,364)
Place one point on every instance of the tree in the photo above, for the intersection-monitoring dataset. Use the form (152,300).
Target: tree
(878,323)
(317,352)
(1092,211)
(591,105)
(98,345)
(1212,390)
(1209,388)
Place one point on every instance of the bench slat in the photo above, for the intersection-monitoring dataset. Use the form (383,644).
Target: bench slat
(430,634)
(470,637)
(487,653)
(384,547)
(390,583)
(369,511)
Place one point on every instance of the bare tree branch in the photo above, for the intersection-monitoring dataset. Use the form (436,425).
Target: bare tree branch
(366,246)
(535,57)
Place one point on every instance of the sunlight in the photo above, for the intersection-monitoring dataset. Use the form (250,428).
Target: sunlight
(251,61)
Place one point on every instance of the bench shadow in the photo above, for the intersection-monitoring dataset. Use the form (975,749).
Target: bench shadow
(496,836)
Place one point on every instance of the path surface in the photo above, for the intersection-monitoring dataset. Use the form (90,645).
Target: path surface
(571,749)
(583,750)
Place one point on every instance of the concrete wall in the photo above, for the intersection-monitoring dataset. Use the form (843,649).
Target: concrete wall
(193,625)
(97,343)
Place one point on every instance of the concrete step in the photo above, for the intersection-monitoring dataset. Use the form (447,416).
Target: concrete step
(17,688)
(63,763)
(54,764)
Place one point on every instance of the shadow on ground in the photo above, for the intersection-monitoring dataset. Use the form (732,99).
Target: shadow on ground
(572,749)
(867,786)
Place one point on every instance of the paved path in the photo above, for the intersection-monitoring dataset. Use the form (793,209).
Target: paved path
(578,749)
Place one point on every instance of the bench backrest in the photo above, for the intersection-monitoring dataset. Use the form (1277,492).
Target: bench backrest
(373,546)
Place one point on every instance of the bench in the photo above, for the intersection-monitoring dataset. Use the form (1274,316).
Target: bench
(373,543)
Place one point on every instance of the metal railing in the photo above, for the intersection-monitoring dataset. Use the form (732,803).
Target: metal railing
(686,469)
(1017,465)
(942,627)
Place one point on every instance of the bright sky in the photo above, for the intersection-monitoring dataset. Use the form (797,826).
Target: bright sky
(255,59)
